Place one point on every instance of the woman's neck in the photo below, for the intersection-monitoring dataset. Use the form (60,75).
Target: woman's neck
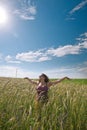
(43,83)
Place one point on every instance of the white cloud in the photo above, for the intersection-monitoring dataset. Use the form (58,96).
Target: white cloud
(26,17)
(81,69)
(70,49)
(48,54)
(13,71)
(44,55)
(84,69)
(32,56)
(28,56)
(8,71)
(64,50)
(83,40)
(84,34)
(84,45)
(9,59)
(74,71)
(26,12)
(23,9)
(78,7)
(32,10)
(44,58)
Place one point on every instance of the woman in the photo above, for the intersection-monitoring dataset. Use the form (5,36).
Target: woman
(42,92)
(43,86)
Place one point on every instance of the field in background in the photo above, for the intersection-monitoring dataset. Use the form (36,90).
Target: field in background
(66,109)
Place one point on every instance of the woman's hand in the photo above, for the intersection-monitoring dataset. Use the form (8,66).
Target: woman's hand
(26,78)
(67,78)
(31,81)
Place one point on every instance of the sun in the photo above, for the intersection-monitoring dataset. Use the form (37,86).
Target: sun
(3,16)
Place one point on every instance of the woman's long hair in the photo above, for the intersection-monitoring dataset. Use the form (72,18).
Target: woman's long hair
(45,76)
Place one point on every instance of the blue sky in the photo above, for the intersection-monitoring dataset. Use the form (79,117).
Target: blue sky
(44,36)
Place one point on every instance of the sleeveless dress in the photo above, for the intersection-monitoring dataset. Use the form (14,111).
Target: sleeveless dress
(42,94)
(42,98)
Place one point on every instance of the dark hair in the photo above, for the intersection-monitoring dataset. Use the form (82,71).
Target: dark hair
(46,77)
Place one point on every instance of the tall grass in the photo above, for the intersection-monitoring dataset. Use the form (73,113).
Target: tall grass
(66,109)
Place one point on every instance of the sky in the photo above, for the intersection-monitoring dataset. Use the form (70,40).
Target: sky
(43,36)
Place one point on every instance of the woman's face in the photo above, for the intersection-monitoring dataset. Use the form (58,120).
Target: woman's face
(41,78)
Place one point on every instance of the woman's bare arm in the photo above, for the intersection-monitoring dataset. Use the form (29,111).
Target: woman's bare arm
(31,81)
(57,81)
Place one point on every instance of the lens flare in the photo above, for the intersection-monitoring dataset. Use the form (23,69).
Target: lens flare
(3,16)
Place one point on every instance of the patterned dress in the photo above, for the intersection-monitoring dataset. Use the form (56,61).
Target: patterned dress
(42,94)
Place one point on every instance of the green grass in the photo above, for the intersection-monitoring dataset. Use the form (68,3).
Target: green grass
(66,109)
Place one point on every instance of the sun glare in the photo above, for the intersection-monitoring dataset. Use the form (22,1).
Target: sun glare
(3,16)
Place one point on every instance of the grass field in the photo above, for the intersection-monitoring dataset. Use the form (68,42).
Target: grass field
(66,109)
